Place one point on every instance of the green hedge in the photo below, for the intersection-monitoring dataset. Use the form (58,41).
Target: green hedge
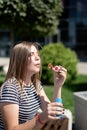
(2,77)
(58,54)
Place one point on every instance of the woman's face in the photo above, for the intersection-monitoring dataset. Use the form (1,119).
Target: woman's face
(34,62)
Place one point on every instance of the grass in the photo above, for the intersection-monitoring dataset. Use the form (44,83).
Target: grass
(80,84)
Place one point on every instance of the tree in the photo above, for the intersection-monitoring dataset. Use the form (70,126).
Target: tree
(31,17)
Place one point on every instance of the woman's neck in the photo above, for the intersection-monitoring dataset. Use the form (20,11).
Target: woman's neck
(27,81)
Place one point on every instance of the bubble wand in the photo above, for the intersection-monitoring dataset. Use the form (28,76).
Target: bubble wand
(55,68)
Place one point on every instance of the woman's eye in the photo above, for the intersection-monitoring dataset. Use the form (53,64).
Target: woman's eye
(34,54)
(31,54)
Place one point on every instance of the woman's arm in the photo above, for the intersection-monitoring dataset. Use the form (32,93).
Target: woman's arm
(44,99)
(10,118)
(59,79)
(53,107)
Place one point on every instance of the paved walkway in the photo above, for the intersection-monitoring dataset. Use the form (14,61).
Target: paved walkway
(4,61)
(81,66)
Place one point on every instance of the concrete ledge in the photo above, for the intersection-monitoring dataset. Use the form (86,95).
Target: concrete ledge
(80,99)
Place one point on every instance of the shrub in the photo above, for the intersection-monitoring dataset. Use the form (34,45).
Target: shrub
(2,77)
(58,54)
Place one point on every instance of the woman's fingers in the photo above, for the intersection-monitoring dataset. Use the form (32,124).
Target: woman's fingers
(55,109)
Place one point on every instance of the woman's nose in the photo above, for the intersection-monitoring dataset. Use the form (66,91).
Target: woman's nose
(37,56)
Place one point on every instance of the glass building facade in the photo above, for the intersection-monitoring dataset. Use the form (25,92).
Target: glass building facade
(73,23)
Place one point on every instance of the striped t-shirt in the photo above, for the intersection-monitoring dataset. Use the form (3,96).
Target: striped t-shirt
(27,99)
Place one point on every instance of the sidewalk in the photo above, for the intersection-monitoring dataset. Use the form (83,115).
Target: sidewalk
(4,61)
(82,68)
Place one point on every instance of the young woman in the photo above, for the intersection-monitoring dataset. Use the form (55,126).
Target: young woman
(22,95)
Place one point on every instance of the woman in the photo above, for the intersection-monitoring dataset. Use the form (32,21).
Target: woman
(22,95)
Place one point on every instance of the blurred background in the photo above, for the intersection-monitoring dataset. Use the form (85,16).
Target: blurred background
(46,22)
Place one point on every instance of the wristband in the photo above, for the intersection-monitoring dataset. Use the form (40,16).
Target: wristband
(59,100)
(37,116)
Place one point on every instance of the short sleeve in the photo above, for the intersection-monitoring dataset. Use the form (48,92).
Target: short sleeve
(9,93)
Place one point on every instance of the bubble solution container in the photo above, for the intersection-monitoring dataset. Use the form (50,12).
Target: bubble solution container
(59,100)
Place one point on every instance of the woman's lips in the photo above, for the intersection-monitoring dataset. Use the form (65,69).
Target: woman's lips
(38,65)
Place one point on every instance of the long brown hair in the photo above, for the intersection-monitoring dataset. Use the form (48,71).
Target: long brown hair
(18,61)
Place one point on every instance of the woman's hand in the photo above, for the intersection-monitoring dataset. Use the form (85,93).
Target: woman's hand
(59,76)
(53,109)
